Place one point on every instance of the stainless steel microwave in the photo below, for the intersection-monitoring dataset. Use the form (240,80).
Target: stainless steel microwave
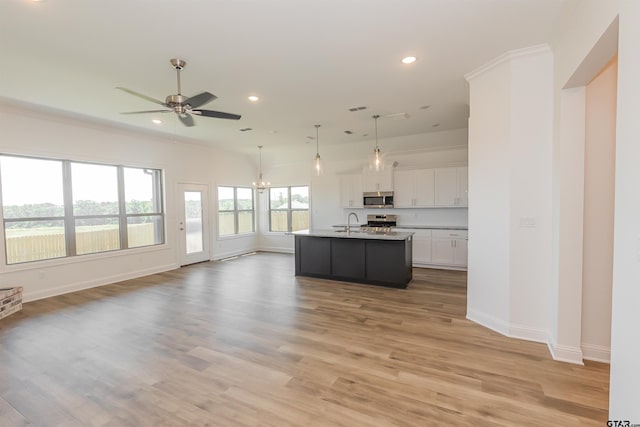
(378,199)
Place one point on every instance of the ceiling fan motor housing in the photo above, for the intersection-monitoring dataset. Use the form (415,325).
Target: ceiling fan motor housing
(173,101)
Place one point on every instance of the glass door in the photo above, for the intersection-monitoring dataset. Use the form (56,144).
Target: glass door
(193,224)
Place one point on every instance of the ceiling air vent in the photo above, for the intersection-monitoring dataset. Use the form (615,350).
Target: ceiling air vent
(357,108)
(245,129)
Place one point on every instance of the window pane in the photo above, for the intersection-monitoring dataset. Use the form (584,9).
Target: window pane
(34,240)
(279,221)
(144,231)
(245,199)
(279,198)
(142,190)
(226,223)
(95,189)
(245,222)
(300,197)
(193,216)
(225,199)
(97,235)
(31,188)
(299,220)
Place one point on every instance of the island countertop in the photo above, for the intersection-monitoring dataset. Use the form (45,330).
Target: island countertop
(355,234)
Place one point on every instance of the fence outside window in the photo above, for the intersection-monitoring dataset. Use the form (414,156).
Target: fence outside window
(60,208)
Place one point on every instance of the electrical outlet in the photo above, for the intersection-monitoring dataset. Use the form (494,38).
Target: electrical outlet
(527,222)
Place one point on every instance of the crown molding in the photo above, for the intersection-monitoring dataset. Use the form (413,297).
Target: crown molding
(506,57)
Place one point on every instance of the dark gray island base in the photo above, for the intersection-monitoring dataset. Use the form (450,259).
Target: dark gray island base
(383,260)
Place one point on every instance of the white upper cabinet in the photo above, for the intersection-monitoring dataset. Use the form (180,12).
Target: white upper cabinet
(351,191)
(378,181)
(414,188)
(451,187)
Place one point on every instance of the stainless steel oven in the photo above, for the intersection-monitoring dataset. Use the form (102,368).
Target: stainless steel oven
(378,199)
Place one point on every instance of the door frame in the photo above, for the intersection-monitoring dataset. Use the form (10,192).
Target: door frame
(205,255)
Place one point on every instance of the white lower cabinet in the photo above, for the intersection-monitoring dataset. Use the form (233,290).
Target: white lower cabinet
(421,246)
(439,248)
(449,247)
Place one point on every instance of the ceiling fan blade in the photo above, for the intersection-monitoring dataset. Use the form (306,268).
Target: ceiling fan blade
(186,119)
(139,95)
(200,99)
(216,114)
(148,111)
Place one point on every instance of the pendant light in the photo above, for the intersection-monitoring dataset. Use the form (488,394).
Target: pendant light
(261,185)
(376,163)
(317,163)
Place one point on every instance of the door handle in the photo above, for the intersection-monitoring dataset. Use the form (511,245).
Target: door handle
(181,229)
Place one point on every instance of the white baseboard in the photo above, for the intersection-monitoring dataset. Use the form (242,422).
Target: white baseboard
(277,249)
(488,321)
(440,267)
(529,334)
(560,353)
(229,254)
(78,286)
(597,353)
(564,353)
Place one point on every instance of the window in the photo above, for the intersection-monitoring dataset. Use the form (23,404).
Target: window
(235,211)
(59,208)
(288,208)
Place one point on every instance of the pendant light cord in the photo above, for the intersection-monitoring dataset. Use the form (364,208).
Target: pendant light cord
(375,117)
(317,141)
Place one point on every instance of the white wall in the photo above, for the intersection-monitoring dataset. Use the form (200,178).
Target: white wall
(625,339)
(510,131)
(599,186)
(38,133)
(488,290)
(530,207)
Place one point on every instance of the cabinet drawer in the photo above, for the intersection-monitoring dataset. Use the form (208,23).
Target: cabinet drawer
(449,234)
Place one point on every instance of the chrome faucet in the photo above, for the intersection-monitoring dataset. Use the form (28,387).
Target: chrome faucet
(349,221)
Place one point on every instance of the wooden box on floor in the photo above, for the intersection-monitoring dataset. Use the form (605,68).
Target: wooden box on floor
(10,301)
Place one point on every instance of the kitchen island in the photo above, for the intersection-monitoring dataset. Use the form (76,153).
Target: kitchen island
(353,256)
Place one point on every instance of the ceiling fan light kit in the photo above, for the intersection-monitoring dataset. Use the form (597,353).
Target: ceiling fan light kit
(185,107)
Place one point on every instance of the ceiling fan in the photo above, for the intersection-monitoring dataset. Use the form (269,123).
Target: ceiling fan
(185,107)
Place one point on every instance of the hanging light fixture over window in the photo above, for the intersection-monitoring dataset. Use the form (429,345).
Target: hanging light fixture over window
(317,163)
(261,185)
(376,162)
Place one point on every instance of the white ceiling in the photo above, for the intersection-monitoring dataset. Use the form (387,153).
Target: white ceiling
(309,61)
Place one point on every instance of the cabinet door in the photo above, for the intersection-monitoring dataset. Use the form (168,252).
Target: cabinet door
(463,186)
(460,252)
(403,196)
(356,191)
(446,186)
(378,181)
(351,191)
(441,250)
(421,246)
(424,188)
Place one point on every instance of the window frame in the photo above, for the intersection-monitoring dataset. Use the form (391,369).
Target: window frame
(289,209)
(236,211)
(69,218)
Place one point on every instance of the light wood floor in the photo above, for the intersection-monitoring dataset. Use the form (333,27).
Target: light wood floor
(245,343)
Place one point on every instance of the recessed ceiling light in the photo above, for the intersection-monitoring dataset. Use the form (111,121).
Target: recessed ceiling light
(253,98)
(409,60)
(157,121)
